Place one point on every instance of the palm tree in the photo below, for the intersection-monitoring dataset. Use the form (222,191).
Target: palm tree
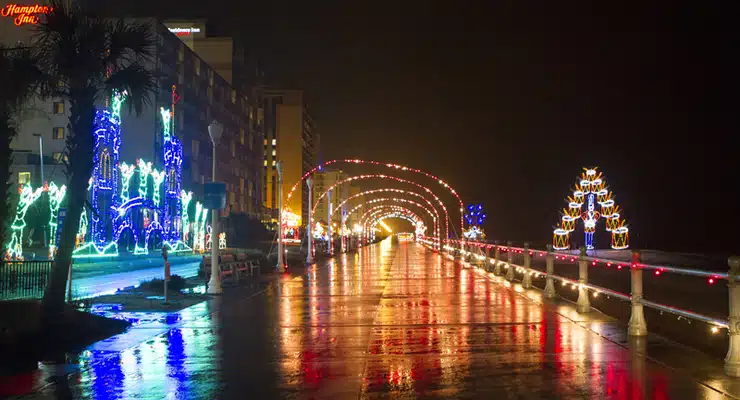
(87,57)
(19,79)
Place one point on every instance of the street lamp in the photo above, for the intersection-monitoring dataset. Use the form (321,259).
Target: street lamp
(280,262)
(41,159)
(309,257)
(215,130)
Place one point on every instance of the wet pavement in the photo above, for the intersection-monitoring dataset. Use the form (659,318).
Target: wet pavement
(392,321)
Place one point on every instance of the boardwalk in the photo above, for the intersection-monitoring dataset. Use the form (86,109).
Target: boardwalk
(394,320)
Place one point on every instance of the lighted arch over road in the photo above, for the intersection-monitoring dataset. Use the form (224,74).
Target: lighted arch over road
(433,213)
(387,165)
(381,176)
(384,190)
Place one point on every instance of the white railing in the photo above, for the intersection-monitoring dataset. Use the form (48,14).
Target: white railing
(489,256)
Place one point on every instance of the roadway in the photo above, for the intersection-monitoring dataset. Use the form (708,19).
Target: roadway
(393,320)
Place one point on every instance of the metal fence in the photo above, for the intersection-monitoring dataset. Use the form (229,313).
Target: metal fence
(23,279)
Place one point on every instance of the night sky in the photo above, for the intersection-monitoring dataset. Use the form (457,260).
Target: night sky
(508,101)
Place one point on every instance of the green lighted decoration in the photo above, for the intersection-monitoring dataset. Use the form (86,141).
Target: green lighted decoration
(145,168)
(197,234)
(127,171)
(56,195)
(117,102)
(28,196)
(81,230)
(90,250)
(186,197)
(158,177)
(166,117)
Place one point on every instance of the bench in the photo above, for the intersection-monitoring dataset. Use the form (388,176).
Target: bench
(230,265)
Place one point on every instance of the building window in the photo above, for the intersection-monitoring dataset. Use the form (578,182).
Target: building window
(233,96)
(241,136)
(265,142)
(265,163)
(233,149)
(196,148)
(57,132)
(274,142)
(58,107)
(197,67)
(274,153)
(58,157)
(273,163)
(24,178)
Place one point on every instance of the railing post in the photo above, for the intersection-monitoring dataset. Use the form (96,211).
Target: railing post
(550,284)
(527,279)
(496,259)
(510,261)
(732,360)
(488,258)
(583,305)
(69,283)
(637,324)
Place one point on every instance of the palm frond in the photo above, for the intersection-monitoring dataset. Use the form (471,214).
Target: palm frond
(129,42)
(137,81)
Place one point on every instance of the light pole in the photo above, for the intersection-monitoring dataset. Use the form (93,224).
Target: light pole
(309,256)
(215,130)
(41,159)
(328,223)
(280,262)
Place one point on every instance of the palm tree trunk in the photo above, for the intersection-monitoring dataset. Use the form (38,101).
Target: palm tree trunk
(6,135)
(81,146)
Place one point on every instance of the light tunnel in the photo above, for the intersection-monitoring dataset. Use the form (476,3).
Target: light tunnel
(388,177)
(391,166)
(375,200)
(398,203)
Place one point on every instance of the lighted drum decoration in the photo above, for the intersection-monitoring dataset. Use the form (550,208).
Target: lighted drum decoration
(592,191)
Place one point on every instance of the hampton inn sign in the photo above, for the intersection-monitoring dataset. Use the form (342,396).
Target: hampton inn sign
(24,14)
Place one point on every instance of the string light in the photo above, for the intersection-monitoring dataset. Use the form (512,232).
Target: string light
(381,176)
(386,165)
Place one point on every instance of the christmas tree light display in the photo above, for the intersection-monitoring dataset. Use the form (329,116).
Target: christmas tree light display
(591,190)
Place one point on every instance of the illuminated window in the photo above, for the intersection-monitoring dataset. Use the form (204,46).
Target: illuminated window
(58,107)
(241,136)
(265,163)
(24,177)
(197,67)
(273,163)
(58,157)
(274,142)
(274,153)
(58,132)
(265,142)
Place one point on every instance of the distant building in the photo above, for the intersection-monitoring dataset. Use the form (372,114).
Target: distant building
(322,182)
(290,136)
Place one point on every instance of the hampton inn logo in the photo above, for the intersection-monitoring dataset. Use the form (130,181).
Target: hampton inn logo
(24,14)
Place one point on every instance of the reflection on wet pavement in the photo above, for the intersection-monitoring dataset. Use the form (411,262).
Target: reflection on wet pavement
(390,321)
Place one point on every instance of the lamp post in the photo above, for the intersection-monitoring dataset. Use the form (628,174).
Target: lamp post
(280,262)
(215,130)
(41,159)
(309,256)
(328,223)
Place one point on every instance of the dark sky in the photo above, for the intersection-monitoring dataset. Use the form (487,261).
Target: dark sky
(508,100)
